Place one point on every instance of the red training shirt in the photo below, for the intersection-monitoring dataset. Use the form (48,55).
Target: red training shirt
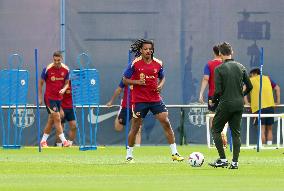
(150,72)
(54,80)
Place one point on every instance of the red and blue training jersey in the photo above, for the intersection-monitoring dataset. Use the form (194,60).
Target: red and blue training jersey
(125,92)
(151,72)
(66,102)
(55,78)
(209,70)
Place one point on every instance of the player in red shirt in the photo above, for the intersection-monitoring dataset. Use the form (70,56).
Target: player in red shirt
(208,79)
(67,114)
(56,78)
(120,120)
(147,77)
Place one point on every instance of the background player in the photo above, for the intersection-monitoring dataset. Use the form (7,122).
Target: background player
(56,78)
(67,114)
(267,102)
(120,120)
(208,79)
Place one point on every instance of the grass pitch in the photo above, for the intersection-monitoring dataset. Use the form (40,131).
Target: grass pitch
(103,170)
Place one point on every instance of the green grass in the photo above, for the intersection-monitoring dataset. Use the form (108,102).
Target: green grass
(104,170)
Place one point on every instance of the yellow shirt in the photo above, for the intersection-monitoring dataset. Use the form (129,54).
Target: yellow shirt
(267,99)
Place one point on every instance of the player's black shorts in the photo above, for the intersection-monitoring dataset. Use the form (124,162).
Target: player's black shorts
(52,105)
(122,115)
(68,115)
(141,109)
(266,120)
(211,108)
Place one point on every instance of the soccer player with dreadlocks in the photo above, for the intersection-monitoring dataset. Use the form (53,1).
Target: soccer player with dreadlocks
(146,74)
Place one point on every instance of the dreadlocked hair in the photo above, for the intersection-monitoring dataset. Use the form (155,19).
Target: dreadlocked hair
(138,44)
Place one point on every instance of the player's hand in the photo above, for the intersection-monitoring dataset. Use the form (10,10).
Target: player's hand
(277,103)
(211,103)
(62,91)
(159,88)
(141,82)
(109,104)
(201,99)
(61,113)
(247,104)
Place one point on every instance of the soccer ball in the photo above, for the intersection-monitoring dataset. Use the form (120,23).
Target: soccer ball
(196,159)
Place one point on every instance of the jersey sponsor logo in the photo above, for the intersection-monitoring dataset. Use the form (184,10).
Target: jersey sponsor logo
(23,118)
(53,78)
(150,77)
(92,117)
(197,116)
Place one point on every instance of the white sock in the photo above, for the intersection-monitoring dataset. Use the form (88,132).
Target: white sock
(44,137)
(71,143)
(269,142)
(173,148)
(224,160)
(137,145)
(59,144)
(129,152)
(62,137)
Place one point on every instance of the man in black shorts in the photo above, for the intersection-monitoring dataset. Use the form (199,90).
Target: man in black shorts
(121,118)
(67,114)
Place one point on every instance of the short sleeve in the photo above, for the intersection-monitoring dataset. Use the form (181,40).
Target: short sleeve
(206,70)
(44,74)
(161,74)
(129,71)
(121,84)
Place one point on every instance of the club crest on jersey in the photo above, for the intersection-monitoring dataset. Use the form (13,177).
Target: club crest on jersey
(54,108)
(155,70)
(142,76)
(62,73)
(53,78)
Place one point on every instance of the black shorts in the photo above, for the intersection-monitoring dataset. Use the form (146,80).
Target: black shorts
(68,115)
(266,120)
(52,105)
(122,115)
(211,108)
(140,110)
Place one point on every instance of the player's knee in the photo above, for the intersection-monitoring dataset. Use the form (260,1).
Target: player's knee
(140,130)
(72,124)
